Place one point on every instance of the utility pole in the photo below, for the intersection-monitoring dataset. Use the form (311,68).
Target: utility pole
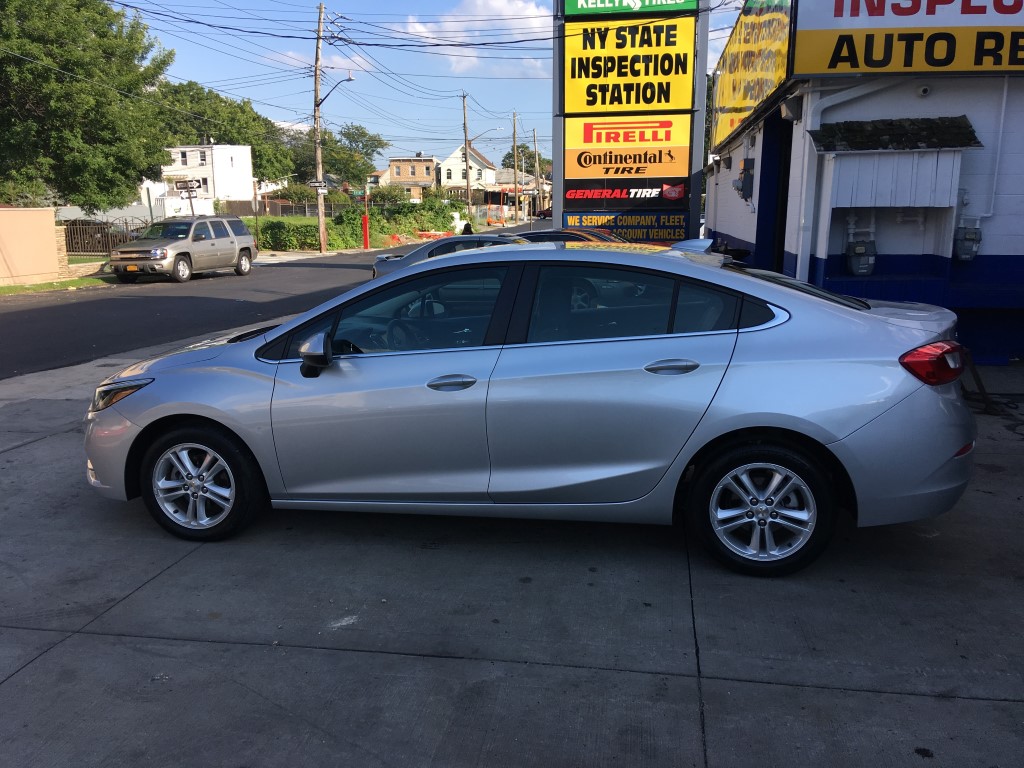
(465,145)
(536,176)
(317,149)
(515,166)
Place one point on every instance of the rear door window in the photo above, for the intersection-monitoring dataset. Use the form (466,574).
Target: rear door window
(219,230)
(238,227)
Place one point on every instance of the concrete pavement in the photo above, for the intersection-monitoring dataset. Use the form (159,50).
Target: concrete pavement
(319,639)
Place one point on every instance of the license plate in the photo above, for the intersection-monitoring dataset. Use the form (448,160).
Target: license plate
(131,268)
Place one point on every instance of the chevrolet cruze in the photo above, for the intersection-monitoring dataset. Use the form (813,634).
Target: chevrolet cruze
(599,383)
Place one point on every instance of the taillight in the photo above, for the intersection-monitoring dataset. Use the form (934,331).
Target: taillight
(937,363)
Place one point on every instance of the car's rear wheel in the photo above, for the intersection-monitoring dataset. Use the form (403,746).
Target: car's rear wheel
(123,278)
(182,271)
(763,510)
(244,264)
(201,484)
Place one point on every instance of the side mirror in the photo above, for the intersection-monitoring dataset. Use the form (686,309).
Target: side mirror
(198,237)
(316,354)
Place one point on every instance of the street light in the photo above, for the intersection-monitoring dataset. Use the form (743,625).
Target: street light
(469,189)
(317,148)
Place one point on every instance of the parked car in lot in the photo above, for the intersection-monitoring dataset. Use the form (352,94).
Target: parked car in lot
(674,387)
(575,235)
(181,247)
(386,263)
(544,213)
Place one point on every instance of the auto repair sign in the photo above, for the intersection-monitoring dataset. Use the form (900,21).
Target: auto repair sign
(844,37)
(627,146)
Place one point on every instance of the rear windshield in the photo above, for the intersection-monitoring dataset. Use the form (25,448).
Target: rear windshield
(799,285)
(168,230)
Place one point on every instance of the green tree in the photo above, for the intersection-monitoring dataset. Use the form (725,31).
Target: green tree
(389,194)
(347,155)
(76,103)
(526,161)
(193,114)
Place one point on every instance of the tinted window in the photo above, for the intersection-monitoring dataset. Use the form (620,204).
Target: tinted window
(702,308)
(755,313)
(592,302)
(219,230)
(437,311)
(238,227)
(201,229)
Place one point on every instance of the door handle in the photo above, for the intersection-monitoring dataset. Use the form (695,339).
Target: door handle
(452,382)
(671,367)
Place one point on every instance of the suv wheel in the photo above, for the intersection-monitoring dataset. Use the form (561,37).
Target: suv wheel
(244,265)
(182,269)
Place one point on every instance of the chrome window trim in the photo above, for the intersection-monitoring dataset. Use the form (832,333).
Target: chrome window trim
(781,316)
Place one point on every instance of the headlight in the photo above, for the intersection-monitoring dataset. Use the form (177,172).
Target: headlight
(108,394)
(158,253)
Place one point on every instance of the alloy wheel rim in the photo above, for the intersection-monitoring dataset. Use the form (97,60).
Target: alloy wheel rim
(763,512)
(183,268)
(193,486)
(244,263)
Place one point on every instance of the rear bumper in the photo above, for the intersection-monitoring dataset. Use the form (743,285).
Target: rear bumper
(904,464)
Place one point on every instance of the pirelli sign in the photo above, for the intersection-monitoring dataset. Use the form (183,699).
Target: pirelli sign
(640,146)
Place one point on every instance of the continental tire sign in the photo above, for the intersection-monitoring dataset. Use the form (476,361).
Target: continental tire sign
(629,66)
(842,37)
(599,147)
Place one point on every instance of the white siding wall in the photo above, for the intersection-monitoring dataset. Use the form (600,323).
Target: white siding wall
(981,99)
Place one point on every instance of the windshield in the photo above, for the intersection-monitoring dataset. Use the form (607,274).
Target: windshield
(168,230)
(799,285)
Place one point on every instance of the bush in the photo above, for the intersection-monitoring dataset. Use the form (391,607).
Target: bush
(294,233)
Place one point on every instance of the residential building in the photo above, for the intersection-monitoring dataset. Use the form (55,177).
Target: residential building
(453,170)
(415,173)
(224,171)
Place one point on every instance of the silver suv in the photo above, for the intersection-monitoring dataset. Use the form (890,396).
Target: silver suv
(183,246)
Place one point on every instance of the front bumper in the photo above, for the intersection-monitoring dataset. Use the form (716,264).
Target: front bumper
(108,439)
(142,266)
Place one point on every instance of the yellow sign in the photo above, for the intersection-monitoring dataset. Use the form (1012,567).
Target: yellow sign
(634,65)
(634,145)
(752,65)
(867,36)
(826,52)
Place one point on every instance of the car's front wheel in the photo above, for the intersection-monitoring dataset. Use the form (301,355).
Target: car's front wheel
(763,510)
(182,271)
(244,264)
(200,483)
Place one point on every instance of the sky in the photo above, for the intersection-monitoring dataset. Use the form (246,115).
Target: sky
(410,61)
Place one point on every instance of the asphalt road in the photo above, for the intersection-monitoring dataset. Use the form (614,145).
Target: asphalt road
(43,331)
(49,330)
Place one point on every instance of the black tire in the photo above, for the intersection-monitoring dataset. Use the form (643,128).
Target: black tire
(182,271)
(799,523)
(227,499)
(244,264)
(123,278)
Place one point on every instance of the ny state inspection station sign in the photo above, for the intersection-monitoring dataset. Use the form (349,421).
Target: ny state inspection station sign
(626,111)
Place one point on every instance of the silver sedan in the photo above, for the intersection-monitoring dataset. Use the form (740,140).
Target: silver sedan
(386,263)
(584,383)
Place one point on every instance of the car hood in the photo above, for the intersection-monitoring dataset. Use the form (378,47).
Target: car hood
(924,317)
(208,349)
